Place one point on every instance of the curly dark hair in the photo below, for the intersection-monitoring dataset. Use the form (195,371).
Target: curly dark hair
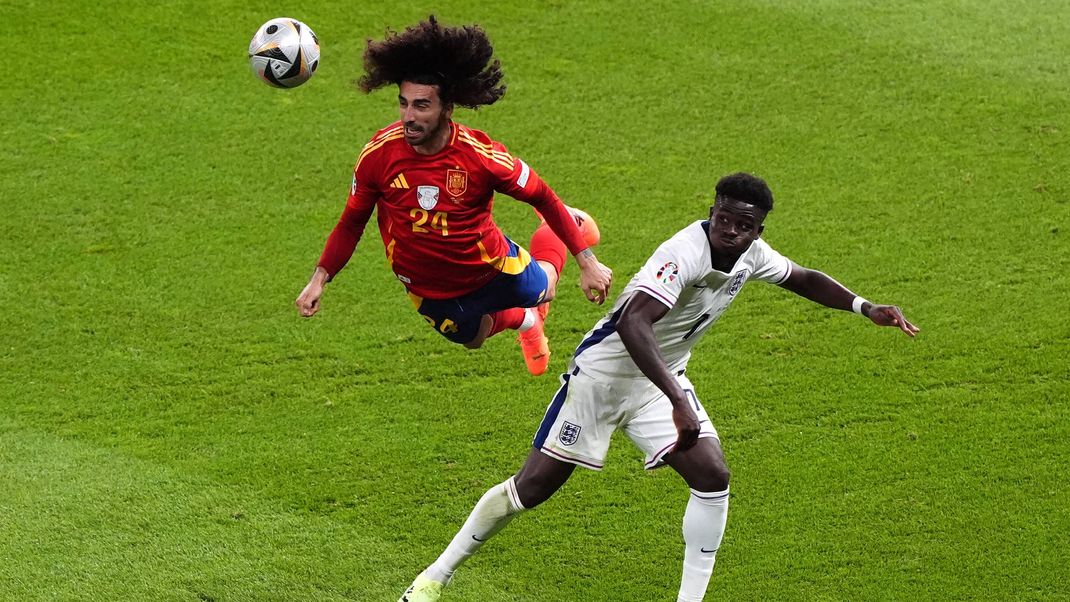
(456,59)
(747,188)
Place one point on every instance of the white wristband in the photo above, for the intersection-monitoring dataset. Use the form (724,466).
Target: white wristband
(856,305)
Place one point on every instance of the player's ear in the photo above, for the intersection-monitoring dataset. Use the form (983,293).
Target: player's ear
(761,228)
(447,111)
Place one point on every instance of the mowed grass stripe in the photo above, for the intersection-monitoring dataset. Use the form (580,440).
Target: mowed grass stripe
(89,523)
(918,153)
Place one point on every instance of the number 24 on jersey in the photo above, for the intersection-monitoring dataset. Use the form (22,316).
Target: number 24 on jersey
(434,221)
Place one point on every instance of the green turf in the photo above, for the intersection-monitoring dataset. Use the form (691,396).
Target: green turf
(170,429)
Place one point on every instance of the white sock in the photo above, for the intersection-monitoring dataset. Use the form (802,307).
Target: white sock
(494,510)
(529,319)
(704,522)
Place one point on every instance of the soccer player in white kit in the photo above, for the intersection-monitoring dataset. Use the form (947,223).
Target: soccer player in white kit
(629,373)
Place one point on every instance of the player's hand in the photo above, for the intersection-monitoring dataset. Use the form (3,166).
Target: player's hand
(890,315)
(308,302)
(687,426)
(595,278)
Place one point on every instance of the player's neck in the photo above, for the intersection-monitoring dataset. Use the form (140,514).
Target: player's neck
(723,262)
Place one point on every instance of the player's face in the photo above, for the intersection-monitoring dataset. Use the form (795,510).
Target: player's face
(425,117)
(734,225)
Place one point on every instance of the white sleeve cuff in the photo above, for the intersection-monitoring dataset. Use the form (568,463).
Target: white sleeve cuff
(856,305)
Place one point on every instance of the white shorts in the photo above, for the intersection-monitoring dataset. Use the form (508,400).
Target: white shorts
(586,410)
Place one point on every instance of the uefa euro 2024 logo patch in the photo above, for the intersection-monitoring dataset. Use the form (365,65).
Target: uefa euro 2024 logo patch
(668,272)
(570,433)
(427,196)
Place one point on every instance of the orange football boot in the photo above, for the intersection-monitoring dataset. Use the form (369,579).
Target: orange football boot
(534,344)
(588,227)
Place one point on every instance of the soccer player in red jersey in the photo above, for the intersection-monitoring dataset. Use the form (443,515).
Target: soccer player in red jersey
(432,182)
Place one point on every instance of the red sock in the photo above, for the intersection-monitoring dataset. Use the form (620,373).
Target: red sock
(506,319)
(546,246)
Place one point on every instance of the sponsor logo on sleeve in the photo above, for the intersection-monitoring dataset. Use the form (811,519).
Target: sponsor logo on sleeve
(427,196)
(353,187)
(570,433)
(668,272)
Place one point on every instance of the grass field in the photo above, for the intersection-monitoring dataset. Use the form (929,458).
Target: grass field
(171,430)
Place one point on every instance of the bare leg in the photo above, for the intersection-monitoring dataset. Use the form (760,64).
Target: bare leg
(487,323)
(551,279)
(481,335)
(541,477)
(703,466)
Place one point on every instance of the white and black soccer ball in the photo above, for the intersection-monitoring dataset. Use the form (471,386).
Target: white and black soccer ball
(284,52)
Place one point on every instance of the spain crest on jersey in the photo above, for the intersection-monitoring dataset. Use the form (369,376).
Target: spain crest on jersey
(456,181)
(427,196)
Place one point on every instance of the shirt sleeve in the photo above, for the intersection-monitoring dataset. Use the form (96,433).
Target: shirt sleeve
(769,265)
(671,269)
(343,240)
(515,178)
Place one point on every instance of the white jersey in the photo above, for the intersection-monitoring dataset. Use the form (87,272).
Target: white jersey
(679,274)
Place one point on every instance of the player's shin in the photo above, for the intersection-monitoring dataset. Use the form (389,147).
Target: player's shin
(494,510)
(704,523)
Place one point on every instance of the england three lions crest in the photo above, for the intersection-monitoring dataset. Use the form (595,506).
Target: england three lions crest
(570,433)
(737,282)
(427,196)
(456,181)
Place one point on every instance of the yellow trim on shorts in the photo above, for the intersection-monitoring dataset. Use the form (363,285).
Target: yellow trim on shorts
(506,264)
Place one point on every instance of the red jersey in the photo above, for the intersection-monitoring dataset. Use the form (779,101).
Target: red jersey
(434,211)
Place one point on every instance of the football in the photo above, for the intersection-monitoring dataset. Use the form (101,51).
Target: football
(284,52)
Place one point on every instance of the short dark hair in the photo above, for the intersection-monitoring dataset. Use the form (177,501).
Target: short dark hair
(746,188)
(459,60)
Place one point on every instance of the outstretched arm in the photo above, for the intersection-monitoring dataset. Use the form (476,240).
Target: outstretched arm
(336,253)
(595,277)
(636,330)
(820,288)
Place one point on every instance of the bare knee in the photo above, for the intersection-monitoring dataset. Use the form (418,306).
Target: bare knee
(535,489)
(713,478)
(551,291)
(703,466)
(475,343)
(540,477)
(551,280)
